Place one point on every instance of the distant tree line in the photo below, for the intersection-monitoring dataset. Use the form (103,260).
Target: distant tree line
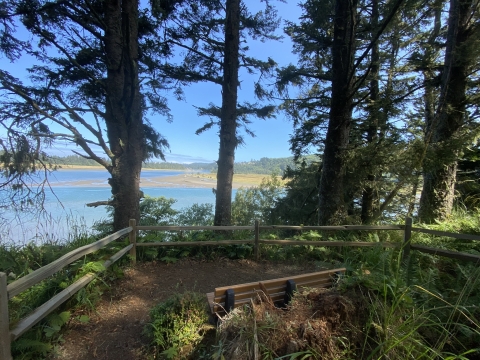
(73,160)
(268,166)
(265,165)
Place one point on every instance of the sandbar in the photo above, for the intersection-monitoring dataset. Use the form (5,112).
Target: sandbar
(185,180)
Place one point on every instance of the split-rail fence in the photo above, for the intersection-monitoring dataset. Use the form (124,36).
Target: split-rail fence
(7,292)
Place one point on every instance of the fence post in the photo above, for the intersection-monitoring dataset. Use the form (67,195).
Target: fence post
(255,245)
(406,238)
(5,353)
(133,240)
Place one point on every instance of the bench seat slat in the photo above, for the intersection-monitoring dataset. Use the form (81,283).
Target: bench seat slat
(297,278)
(276,288)
(242,288)
(327,274)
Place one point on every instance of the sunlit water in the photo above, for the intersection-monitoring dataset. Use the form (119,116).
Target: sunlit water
(69,214)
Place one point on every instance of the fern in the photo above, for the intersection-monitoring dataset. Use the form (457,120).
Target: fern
(30,348)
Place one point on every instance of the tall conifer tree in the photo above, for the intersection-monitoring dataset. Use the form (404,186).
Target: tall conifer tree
(86,83)
(447,131)
(210,33)
(339,69)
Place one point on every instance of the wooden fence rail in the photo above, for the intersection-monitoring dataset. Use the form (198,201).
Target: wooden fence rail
(38,275)
(330,243)
(24,283)
(447,234)
(8,335)
(256,228)
(447,253)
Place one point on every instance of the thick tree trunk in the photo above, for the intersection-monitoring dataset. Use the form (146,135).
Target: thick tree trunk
(123,114)
(331,193)
(228,121)
(439,175)
(369,195)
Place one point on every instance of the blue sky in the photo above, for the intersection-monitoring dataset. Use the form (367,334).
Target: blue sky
(272,135)
(185,146)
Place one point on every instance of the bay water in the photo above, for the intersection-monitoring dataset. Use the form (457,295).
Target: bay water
(66,211)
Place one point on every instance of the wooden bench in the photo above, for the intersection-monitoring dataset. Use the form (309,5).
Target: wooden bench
(278,290)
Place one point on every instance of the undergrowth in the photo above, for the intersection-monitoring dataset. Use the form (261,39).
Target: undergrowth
(178,325)
(19,260)
(384,308)
(421,307)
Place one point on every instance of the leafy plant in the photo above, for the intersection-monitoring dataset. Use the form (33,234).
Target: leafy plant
(257,203)
(40,341)
(178,324)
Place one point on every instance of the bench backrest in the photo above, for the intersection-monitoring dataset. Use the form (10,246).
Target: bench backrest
(276,288)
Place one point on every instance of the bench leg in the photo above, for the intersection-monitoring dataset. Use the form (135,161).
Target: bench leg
(229,300)
(291,287)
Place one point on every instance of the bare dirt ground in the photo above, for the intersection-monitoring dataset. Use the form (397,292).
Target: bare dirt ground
(115,328)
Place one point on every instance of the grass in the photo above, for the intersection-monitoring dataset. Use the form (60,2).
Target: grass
(238,179)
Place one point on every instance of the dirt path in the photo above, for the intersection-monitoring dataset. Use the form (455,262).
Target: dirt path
(115,329)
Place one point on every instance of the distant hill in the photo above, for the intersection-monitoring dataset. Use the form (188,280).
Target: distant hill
(73,160)
(263,166)
(268,165)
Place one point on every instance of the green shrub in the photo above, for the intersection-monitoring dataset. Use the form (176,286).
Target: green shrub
(178,325)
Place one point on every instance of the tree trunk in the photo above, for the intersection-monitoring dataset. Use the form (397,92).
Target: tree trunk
(123,113)
(228,121)
(439,175)
(331,193)
(369,196)
(431,51)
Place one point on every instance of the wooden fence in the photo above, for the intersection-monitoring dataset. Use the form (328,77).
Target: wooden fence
(7,292)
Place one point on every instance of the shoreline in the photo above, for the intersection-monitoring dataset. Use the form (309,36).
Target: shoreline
(98,167)
(184,180)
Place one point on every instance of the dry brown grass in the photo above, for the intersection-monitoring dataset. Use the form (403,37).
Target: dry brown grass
(322,324)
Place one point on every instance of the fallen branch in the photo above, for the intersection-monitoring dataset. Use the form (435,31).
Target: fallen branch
(101,203)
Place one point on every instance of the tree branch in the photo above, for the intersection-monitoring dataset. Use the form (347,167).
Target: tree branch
(101,203)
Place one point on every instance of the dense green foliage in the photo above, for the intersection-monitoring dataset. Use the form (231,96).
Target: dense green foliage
(408,58)
(178,324)
(257,203)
